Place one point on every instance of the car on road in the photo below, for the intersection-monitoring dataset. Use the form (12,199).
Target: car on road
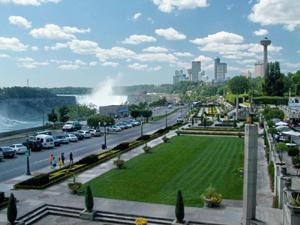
(57,142)
(46,140)
(63,139)
(114,128)
(135,122)
(71,137)
(85,133)
(33,144)
(78,135)
(71,126)
(19,148)
(179,119)
(8,152)
(95,132)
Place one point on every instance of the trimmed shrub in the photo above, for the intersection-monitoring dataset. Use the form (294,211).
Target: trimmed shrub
(144,138)
(38,180)
(293,152)
(89,199)
(122,146)
(12,209)
(179,210)
(90,159)
(272,100)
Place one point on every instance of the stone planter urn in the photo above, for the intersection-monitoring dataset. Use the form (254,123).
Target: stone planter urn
(74,187)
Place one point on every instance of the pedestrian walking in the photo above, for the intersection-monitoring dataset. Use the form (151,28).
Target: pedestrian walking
(50,160)
(59,162)
(54,162)
(71,158)
(63,158)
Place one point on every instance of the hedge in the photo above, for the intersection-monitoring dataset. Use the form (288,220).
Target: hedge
(43,181)
(270,100)
(239,134)
(214,129)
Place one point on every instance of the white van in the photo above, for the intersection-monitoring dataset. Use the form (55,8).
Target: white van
(46,140)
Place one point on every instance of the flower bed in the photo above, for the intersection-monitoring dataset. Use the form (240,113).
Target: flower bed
(43,181)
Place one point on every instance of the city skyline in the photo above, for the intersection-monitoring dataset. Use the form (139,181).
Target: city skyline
(62,43)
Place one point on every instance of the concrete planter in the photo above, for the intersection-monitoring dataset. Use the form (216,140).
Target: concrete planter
(85,215)
(74,187)
(175,222)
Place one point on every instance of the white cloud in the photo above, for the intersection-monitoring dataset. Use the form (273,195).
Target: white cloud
(30,63)
(55,32)
(261,32)
(57,46)
(28,2)
(136,16)
(183,54)
(204,59)
(220,37)
(273,12)
(168,6)
(138,39)
(12,44)
(34,48)
(292,66)
(69,67)
(111,64)
(155,49)
(83,47)
(170,34)
(4,56)
(156,57)
(20,22)
(143,67)
(93,63)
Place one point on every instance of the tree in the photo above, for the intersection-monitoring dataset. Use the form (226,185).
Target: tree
(12,209)
(80,112)
(273,84)
(135,113)
(52,117)
(146,114)
(95,120)
(179,210)
(89,200)
(272,113)
(63,114)
(238,85)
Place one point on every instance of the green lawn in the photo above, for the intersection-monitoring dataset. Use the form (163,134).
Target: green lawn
(187,163)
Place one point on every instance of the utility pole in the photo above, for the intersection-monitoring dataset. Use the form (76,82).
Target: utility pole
(166,119)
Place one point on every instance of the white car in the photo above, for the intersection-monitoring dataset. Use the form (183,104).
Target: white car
(85,133)
(71,137)
(114,128)
(19,148)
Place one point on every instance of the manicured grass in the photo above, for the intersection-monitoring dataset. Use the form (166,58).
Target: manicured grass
(187,163)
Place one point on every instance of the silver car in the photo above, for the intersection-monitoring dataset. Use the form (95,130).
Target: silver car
(19,148)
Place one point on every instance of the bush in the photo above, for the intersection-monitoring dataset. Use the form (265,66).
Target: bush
(146,149)
(264,100)
(122,146)
(12,209)
(89,200)
(211,197)
(90,159)
(271,174)
(38,180)
(144,138)
(165,139)
(179,210)
(293,151)
(160,131)
(271,113)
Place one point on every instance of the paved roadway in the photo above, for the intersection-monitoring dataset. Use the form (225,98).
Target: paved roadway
(10,168)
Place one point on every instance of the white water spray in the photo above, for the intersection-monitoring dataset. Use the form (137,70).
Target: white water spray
(103,95)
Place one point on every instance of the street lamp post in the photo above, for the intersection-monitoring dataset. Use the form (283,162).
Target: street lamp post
(104,136)
(166,118)
(28,173)
(142,128)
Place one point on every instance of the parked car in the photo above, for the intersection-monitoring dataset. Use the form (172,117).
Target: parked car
(46,140)
(71,137)
(8,152)
(19,148)
(97,132)
(114,128)
(33,144)
(179,119)
(127,124)
(78,135)
(135,122)
(63,139)
(85,133)
(57,142)
(121,125)
(71,126)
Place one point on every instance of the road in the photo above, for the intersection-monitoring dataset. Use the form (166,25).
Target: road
(11,168)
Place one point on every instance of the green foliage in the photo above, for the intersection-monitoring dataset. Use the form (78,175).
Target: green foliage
(273,80)
(272,113)
(89,199)
(179,210)
(80,112)
(295,201)
(272,130)
(281,146)
(135,113)
(63,114)
(293,152)
(271,174)
(160,102)
(238,85)
(52,117)
(212,197)
(12,209)
(95,120)
(270,100)
(25,92)
(146,114)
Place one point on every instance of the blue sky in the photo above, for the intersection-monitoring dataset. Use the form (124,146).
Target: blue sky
(83,42)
